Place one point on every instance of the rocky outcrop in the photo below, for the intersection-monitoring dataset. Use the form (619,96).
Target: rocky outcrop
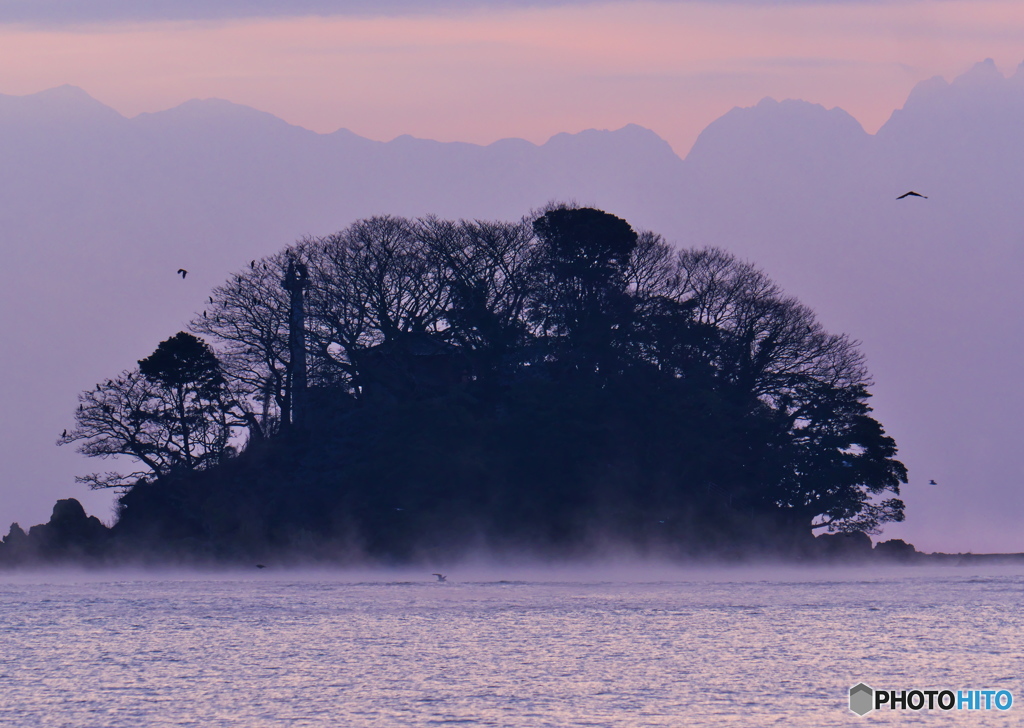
(896,549)
(844,546)
(69,536)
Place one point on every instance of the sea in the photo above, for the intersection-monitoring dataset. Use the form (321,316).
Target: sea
(630,644)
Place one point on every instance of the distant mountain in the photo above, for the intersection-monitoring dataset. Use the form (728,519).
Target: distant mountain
(97,212)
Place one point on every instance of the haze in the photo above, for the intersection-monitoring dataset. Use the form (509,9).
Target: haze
(100,203)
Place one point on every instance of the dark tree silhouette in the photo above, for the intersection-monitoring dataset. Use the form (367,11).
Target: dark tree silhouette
(491,275)
(581,300)
(249,316)
(371,286)
(171,415)
(536,381)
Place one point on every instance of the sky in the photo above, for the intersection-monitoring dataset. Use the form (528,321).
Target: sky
(466,70)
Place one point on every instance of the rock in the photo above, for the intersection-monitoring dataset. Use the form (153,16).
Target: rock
(69,534)
(844,546)
(896,549)
(15,547)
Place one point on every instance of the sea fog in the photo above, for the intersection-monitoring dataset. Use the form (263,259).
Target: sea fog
(502,644)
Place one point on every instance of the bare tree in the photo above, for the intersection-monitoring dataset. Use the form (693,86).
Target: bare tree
(370,284)
(248,317)
(769,346)
(490,269)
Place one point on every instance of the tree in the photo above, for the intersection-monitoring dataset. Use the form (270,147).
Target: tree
(834,461)
(370,285)
(171,415)
(761,413)
(818,459)
(248,316)
(581,300)
(490,271)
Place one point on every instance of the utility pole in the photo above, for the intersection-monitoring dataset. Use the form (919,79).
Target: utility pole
(296,280)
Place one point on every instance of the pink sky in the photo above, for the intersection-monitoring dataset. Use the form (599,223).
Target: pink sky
(483,75)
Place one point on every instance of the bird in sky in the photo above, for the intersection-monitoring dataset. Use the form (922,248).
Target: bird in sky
(260,566)
(912,194)
(932,482)
(440,577)
(182,272)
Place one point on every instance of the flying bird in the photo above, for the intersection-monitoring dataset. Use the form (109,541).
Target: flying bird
(440,577)
(182,272)
(932,482)
(912,194)
(260,566)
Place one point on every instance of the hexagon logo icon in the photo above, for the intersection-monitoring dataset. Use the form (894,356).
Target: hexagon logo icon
(862,699)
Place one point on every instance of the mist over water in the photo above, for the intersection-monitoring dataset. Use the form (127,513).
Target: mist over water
(632,644)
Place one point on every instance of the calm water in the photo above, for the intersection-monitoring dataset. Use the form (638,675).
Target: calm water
(499,647)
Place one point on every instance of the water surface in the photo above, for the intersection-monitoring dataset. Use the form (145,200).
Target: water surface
(502,647)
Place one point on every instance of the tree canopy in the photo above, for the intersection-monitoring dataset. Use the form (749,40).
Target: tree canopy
(539,381)
(172,414)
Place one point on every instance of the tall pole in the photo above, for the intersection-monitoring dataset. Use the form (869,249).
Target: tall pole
(295,282)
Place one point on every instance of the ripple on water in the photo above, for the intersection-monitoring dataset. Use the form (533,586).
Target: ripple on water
(326,651)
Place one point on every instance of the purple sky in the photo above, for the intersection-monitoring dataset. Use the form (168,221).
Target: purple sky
(474,71)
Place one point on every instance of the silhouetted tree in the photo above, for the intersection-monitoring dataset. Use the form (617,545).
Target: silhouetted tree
(612,382)
(248,316)
(581,301)
(819,459)
(836,465)
(171,415)
(491,272)
(370,284)
(767,346)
